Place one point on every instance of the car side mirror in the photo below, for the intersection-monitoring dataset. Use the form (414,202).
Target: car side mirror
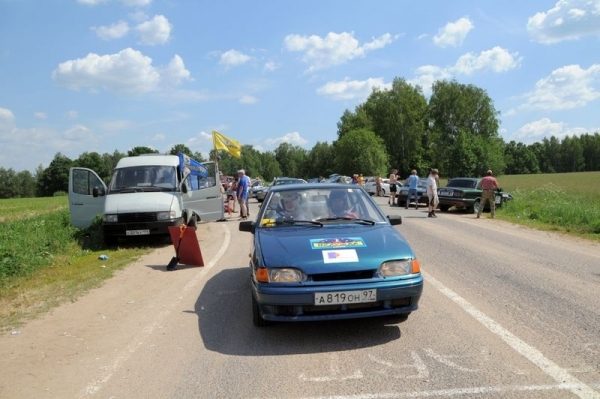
(395,220)
(97,192)
(247,226)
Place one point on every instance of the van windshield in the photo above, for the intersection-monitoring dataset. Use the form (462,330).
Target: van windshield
(143,178)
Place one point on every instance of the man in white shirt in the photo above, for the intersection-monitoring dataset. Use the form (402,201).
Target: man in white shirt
(432,194)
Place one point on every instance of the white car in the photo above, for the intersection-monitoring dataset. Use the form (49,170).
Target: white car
(371,188)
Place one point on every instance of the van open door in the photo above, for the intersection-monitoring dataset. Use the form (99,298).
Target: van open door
(87,193)
(204,195)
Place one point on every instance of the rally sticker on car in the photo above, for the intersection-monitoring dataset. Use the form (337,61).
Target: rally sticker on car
(337,243)
(340,256)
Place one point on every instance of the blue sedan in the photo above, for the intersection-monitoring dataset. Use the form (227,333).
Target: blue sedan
(327,251)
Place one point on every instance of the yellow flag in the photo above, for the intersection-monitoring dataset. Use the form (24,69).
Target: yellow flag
(222,142)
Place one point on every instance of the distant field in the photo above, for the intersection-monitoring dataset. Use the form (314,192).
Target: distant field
(23,208)
(580,183)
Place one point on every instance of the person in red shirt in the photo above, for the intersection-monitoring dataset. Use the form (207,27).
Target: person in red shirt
(489,185)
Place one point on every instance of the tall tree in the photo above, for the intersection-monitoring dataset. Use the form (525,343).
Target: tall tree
(55,178)
(361,151)
(141,150)
(291,159)
(320,160)
(460,112)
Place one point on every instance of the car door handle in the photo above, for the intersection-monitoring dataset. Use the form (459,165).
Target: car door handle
(213,197)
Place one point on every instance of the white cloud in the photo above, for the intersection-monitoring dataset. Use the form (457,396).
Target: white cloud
(292,138)
(454,33)
(7,121)
(352,89)
(537,130)
(246,99)
(175,72)
(72,114)
(427,75)
(567,87)
(128,71)
(271,66)
(567,20)
(496,59)
(155,31)
(233,58)
(333,49)
(158,137)
(40,115)
(114,31)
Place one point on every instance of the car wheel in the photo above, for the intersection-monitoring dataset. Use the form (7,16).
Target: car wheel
(257,319)
(475,207)
(444,208)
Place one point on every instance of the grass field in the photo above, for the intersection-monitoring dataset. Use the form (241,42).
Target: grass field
(581,184)
(24,208)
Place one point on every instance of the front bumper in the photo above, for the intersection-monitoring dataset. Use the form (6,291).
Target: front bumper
(457,202)
(154,228)
(297,303)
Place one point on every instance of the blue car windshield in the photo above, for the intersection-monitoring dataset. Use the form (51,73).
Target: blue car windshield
(323,205)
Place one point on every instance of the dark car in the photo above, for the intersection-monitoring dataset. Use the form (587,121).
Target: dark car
(261,193)
(465,193)
(402,193)
(327,251)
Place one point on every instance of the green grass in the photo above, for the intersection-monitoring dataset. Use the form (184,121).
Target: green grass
(22,208)
(565,202)
(45,261)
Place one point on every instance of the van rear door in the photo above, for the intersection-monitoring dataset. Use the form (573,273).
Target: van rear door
(84,207)
(204,195)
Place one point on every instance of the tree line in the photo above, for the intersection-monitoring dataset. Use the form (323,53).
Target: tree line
(455,131)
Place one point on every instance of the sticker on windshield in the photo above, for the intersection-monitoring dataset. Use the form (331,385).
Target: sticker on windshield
(337,243)
(340,256)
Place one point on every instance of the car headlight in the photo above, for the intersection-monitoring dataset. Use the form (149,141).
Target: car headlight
(279,275)
(110,218)
(399,268)
(165,215)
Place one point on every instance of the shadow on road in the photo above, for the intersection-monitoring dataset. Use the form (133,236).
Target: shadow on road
(225,323)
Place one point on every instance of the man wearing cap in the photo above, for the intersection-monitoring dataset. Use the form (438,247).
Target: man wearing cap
(432,193)
(489,185)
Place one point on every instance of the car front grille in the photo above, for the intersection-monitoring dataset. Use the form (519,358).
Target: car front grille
(353,275)
(137,217)
(312,310)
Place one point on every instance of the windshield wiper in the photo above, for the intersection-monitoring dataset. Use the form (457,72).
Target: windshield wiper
(349,219)
(293,221)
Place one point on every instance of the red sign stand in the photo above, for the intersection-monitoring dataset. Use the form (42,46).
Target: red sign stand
(186,245)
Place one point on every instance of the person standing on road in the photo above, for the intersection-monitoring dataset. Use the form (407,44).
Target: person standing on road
(412,182)
(432,194)
(489,185)
(242,193)
(378,186)
(393,181)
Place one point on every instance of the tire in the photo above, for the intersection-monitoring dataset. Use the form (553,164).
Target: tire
(444,208)
(475,207)
(257,319)
(110,240)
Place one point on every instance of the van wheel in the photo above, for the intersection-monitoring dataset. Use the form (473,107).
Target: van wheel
(110,240)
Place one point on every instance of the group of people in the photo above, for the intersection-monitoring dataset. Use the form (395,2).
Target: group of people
(489,185)
(238,190)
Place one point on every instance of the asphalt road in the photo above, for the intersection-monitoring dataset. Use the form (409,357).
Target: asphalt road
(506,312)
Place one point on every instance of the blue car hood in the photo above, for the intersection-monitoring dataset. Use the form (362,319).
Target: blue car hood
(317,250)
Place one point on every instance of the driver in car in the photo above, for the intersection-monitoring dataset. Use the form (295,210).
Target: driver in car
(289,207)
(339,205)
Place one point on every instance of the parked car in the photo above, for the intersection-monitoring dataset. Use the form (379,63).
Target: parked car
(340,257)
(371,186)
(261,193)
(465,193)
(402,193)
(335,178)
(254,187)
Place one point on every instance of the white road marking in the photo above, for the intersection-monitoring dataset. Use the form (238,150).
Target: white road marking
(557,373)
(335,374)
(108,371)
(445,360)
(454,392)
(419,365)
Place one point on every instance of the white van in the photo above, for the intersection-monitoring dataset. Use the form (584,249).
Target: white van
(146,195)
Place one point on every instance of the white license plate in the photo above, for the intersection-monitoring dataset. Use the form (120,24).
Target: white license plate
(345,297)
(445,192)
(137,232)
(498,200)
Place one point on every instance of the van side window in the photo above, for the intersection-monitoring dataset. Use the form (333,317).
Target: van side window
(84,182)
(198,183)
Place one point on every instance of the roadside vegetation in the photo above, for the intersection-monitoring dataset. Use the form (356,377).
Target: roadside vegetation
(566,202)
(45,261)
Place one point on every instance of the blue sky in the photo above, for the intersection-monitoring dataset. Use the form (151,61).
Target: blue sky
(105,75)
